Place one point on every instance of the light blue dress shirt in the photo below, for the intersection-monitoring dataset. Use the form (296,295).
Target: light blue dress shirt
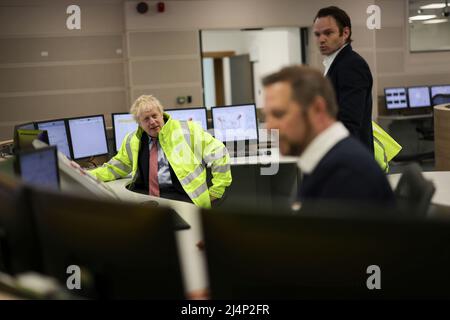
(164,178)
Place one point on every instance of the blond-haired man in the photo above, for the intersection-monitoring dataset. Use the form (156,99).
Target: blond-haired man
(168,158)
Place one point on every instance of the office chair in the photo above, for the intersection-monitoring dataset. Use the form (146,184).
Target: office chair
(441,99)
(413,192)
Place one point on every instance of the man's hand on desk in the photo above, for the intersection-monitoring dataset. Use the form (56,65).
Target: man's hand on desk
(77,166)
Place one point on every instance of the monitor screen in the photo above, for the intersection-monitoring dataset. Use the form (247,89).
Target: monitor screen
(26,126)
(39,167)
(395,98)
(123,123)
(57,135)
(88,136)
(443,89)
(419,97)
(235,123)
(192,114)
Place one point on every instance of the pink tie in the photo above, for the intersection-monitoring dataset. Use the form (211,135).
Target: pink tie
(153,186)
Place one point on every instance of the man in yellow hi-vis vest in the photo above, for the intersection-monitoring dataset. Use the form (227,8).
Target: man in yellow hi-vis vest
(385,147)
(167,158)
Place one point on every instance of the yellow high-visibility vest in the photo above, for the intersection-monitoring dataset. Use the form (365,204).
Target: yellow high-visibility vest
(385,147)
(188,149)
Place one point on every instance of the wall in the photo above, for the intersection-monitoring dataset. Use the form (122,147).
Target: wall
(83,72)
(395,64)
(120,54)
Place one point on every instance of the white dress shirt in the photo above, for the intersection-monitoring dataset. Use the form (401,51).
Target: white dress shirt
(320,146)
(328,60)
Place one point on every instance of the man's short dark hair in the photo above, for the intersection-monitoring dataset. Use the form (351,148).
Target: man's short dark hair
(306,83)
(341,17)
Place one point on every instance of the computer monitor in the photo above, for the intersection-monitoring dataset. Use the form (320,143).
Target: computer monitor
(88,136)
(190,114)
(25,126)
(440,89)
(253,256)
(419,97)
(123,123)
(23,139)
(124,251)
(57,134)
(19,249)
(235,123)
(39,167)
(395,98)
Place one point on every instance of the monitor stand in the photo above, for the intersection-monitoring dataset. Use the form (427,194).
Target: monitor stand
(243,148)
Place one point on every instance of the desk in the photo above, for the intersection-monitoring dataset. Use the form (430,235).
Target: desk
(248,184)
(403,129)
(262,182)
(193,260)
(263,158)
(401,117)
(441,181)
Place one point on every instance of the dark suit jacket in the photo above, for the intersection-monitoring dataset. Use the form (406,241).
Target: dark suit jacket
(347,172)
(352,81)
(176,192)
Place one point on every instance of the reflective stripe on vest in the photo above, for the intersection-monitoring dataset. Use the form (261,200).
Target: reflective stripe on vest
(224,168)
(115,174)
(128,146)
(120,165)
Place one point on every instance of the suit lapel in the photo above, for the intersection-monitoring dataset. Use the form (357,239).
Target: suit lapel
(341,54)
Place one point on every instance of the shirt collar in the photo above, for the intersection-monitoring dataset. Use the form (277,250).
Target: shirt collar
(328,60)
(320,146)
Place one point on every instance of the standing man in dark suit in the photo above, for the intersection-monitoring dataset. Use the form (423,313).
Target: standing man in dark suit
(300,103)
(348,71)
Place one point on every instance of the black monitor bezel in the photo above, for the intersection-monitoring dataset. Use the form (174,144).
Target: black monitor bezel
(70,136)
(16,127)
(194,108)
(422,107)
(437,85)
(19,155)
(114,127)
(67,131)
(396,109)
(236,105)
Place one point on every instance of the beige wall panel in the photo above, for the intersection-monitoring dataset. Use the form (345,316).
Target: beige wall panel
(61,77)
(237,14)
(168,96)
(20,50)
(390,61)
(21,109)
(164,43)
(165,71)
(391,37)
(362,37)
(49,17)
(392,13)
